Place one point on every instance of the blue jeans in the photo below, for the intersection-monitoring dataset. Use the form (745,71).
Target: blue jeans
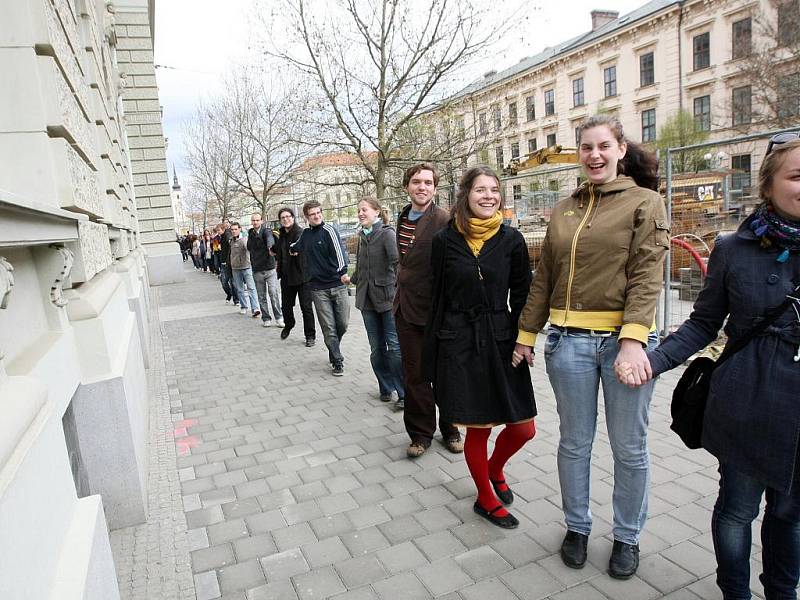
(226,279)
(576,365)
(387,363)
(267,286)
(737,506)
(245,288)
(333,312)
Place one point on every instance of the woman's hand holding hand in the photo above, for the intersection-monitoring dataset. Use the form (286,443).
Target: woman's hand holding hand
(522,352)
(345,279)
(632,366)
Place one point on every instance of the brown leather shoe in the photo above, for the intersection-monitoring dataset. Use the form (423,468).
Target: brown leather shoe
(416,449)
(454,445)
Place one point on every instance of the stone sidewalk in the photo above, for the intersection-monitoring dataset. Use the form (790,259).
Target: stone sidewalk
(295,485)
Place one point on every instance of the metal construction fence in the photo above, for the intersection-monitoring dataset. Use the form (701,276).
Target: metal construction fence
(708,188)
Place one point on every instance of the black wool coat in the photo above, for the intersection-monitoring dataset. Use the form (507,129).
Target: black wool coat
(472,329)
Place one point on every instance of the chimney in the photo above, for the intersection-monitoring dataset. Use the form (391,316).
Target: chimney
(601,17)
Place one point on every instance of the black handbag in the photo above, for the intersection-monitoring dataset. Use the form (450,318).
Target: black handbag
(691,392)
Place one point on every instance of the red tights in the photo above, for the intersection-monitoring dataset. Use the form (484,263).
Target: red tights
(484,469)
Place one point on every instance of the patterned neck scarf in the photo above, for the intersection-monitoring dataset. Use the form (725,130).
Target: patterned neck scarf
(773,230)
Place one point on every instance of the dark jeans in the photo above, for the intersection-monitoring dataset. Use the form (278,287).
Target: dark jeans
(226,279)
(736,508)
(419,414)
(289,294)
(197,261)
(384,351)
(333,312)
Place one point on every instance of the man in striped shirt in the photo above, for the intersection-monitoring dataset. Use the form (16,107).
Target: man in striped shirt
(326,262)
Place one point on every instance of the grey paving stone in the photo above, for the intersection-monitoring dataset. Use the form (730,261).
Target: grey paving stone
(300,513)
(280,590)
(663,574)
(322,583)
(402,557)
(697,560)
(367,516)
(443,576)
(364,541)
(363,593)
(241,576)
(401,529)
(333,525)
(256,546)
(265,522)
(412,588)
(227,531)
(241,508)
(207,559)
(360,570)
(482,563)
(207,585)
(440,545)
(283,565)
(583,591)
(204,516)
(489,588)
(197,538)
(276,499)
(531,582)
(325,552)
(251,489)
(217,496)
(293,536)
(632,589)
(336,503)
(519,550)
(369,495)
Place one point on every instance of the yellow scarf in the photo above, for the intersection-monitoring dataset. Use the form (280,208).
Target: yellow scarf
(481,230)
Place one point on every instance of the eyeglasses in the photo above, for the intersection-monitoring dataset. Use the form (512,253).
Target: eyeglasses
(782,138)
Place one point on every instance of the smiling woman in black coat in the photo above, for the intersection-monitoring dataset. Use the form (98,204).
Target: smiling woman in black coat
(481,280)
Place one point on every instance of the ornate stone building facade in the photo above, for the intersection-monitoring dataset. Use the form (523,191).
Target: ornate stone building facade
(74,264)
(643,67)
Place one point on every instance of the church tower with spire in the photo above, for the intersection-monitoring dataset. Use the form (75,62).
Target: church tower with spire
(178,214)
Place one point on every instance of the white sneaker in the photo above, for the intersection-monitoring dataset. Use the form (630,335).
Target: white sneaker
(266,323)
(279,323)
(228,301)
(242,311)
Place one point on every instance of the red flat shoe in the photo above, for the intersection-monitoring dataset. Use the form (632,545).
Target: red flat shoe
(507,522)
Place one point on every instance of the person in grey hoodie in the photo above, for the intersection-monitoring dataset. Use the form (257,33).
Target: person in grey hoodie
(375,279)
(242,273)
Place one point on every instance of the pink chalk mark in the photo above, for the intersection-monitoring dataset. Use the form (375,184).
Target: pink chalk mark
(184,445)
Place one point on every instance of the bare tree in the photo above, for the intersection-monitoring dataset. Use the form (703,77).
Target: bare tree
(267,127)
(379,64)
(210,157)
(767,89)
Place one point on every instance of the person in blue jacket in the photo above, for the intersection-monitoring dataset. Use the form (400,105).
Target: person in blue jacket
(752,418)
(326,260)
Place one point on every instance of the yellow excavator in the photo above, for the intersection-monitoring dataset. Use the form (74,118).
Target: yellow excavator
(553,155)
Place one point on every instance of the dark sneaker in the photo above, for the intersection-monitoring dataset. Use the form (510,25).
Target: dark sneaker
(338,370)
(256,314)
(399,404)
(573,549)
(310,342)
(624,560)
(386,397)
(285,332)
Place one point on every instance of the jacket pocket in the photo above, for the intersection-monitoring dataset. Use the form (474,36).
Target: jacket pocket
(446,334)
(661,230)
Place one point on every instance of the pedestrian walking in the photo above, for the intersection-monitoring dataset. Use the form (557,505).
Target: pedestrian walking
(196,260)
(326,259)
(481,277)
(291,272)
(597,282)
(243,273)
(226,273)
(260,244)
(374,278)
(752,416)
(416,226)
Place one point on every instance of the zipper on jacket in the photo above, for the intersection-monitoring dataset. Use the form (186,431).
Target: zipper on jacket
(478,264)
(573,249)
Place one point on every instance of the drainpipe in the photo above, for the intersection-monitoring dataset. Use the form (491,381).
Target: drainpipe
(680,58)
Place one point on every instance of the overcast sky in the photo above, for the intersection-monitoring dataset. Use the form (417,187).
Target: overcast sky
(198,40)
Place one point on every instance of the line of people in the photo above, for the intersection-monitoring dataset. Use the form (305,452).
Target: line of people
(452,312)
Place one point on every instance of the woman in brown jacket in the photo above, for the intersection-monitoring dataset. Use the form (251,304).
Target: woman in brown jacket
(597,283)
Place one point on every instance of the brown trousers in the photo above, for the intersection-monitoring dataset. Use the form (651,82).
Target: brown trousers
(420,408)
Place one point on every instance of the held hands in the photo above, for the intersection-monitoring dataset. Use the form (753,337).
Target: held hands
(632,367)
(522,352)
(345,279)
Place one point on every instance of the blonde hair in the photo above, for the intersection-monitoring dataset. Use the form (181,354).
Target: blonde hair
(772,162)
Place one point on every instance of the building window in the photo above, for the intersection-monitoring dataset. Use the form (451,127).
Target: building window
(647,70)
(552,185)
(482,127)
(551,139)
(577,135)
(702,113)
(484,156)
(741,38)
(648,125)
(549,102)
(788,23)
(530,108)
(742,105)
(498,155)
(531,145)
(517,193)
(497,118)
(512,113)
(577,92)
(610,81)
(701,51)
(515,150)
(789,95)
(742,171)
(460,127)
